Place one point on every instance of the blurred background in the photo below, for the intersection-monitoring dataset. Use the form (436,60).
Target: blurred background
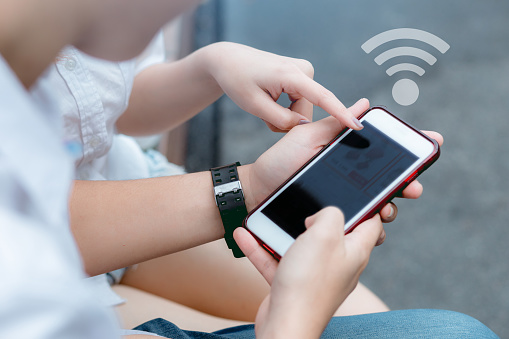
(449,249)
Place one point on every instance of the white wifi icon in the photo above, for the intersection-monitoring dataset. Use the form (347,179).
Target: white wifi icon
(405,91)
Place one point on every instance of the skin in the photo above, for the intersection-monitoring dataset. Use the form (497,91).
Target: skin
(162,199)
(92,25)
(323,253)
(169,204)
(298,306)
(175,234)
(89,25)
(166,95)
(157,105)
(25,26)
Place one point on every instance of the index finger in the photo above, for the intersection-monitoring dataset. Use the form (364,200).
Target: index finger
(435,135)
(322,97)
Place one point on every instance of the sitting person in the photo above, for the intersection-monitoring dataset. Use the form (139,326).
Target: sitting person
(92,96)
(36,238)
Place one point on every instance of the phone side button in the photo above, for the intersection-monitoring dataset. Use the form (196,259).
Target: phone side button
(406,183)
(415,175)
(409,180)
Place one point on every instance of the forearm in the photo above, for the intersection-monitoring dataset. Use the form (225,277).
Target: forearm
(168,94)
(120,223)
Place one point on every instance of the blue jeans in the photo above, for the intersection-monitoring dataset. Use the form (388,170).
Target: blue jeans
(394,324)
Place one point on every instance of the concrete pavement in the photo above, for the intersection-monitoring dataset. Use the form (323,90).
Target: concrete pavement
(449,249)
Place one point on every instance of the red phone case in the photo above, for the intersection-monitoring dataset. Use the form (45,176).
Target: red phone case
(386,199)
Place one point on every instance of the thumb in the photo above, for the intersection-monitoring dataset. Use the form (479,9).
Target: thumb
(365,236)
(327,224)
(283,119)
(259,257)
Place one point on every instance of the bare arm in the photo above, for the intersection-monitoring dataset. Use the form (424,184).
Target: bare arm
(166,95)
(120,223)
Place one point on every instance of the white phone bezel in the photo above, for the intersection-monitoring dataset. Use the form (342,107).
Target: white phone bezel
(279,241)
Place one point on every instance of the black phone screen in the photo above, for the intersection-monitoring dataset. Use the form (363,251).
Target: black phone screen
(356,170)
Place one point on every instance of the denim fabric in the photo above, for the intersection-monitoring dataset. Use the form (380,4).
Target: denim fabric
(394,324)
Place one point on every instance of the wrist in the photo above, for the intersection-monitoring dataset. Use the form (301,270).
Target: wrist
(218,60)
(290,314)
(245,179)
(206,63)
(290,327)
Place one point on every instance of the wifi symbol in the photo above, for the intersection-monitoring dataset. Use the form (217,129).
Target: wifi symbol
(405,91)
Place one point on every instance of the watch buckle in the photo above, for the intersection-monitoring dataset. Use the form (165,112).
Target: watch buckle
(233,186)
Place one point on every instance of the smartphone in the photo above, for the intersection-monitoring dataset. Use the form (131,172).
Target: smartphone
(358,171)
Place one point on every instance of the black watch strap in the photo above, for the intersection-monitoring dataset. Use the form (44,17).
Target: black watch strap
(230,201)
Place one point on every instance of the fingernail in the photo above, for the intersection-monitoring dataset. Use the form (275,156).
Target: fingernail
(381,239)
(357,123)
(361,99)
(303,122)
(391,214)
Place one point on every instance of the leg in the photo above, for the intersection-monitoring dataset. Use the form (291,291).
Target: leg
(142,307)
(361,301)
(408,324)
(405,324)
(212,281)
(206,278)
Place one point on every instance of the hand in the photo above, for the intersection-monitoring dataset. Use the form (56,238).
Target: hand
(413,191)
(254,80)
(314,277)
(278,163)
(284,158)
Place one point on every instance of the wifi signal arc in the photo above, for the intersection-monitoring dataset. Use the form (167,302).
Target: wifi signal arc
(407,51)
(405,33)
(410,34)
(405,67)
(405,91)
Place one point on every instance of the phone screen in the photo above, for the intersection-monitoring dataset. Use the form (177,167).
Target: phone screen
(352,173)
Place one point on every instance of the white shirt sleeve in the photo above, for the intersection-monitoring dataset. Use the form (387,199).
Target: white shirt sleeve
(42,292)
(154,53)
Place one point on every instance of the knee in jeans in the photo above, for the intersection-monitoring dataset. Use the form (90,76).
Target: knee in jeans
(450,324)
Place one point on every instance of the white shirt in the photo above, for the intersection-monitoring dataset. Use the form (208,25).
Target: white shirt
(42,294)
(91,94)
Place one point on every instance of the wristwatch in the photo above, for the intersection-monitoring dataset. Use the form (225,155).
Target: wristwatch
(230,201)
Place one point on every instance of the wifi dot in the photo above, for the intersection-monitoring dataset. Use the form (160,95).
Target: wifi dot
(405,92)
